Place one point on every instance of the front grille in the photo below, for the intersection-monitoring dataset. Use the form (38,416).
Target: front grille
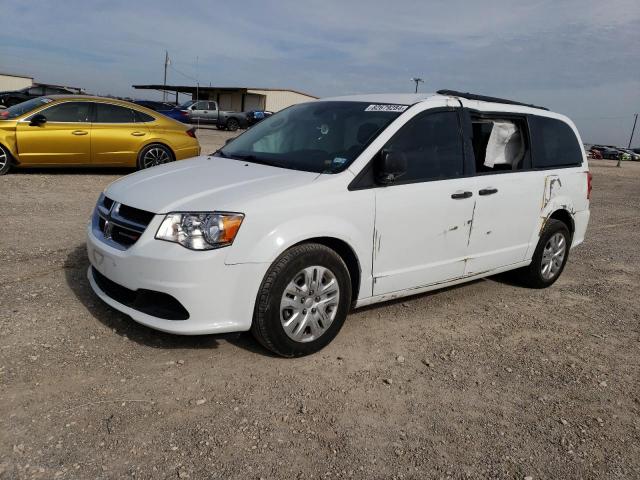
(156,304)
(119,225)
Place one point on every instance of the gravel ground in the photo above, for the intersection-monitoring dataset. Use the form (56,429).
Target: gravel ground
(485,380)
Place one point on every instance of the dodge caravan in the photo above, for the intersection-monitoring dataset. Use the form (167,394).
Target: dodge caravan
(340,203)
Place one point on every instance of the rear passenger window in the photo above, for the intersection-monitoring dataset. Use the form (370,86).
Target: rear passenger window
(432,145)
(499,144)
(554,143)
(107,113)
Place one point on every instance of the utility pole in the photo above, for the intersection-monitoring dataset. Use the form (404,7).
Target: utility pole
(633,130)
(635,120)
(167,62)
(417,80)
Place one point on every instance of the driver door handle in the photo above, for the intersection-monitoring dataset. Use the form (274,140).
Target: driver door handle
(138,134)
(79,132)
(488,191)
(458,195)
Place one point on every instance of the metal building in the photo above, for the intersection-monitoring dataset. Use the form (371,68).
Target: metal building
(240,99)
(13,81)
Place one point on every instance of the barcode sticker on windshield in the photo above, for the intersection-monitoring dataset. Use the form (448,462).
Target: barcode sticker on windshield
(386,108)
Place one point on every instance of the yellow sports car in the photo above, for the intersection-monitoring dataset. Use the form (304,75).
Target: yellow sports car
(74,130)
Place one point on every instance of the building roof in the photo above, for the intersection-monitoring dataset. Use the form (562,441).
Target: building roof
(191,89)
(15,75)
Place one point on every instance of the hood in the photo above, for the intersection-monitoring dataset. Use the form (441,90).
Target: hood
(203,184)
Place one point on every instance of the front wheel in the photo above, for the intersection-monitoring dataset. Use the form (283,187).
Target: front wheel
(550,255)
(154,154)
(5,161)
(303,301)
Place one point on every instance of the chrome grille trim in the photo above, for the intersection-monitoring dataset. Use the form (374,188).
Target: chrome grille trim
(113,228)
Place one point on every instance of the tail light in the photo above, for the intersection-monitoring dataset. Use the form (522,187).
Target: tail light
(192,133)
(589,186)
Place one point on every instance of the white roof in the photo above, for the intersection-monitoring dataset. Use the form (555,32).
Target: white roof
(412,98)
(392,98)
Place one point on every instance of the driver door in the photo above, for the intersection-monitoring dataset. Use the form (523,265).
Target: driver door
(199,111)
(422,220)
(64,139)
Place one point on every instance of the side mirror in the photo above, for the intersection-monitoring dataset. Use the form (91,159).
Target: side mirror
(37,120)
(390,166)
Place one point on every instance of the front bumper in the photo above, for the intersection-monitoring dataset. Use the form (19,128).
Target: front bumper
(219,298)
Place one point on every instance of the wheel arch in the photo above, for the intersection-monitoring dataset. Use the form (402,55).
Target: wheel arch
(565,217)
(348,256)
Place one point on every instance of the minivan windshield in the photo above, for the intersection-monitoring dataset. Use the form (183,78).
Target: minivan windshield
(22,108)
(322,137)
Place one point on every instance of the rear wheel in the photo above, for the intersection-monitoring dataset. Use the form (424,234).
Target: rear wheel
(232,124)
(154,154)
(303,301)
(550,255)
(5,160)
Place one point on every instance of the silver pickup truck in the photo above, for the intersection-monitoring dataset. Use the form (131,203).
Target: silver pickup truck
(207,111)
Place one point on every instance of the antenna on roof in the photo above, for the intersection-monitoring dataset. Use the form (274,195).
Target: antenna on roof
(417,80)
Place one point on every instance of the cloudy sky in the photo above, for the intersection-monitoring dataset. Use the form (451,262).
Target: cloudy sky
(581,58)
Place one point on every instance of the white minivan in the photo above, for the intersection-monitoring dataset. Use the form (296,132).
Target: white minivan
(339,203)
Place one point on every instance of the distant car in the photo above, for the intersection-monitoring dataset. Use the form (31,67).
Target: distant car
(636,150)
(632,154)
(11,98)
(595,154)
(207,111)
(255,116)
(81,130)
(155,106)
(164,108)
(608,153)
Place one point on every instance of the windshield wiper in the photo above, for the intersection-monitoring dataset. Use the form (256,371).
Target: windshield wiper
(253,159)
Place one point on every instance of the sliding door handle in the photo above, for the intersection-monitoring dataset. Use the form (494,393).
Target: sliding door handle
(458,195)
(488,191)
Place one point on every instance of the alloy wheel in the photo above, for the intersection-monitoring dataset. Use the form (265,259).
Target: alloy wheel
(155,156)
(553,256)
(309,304)
(4,158)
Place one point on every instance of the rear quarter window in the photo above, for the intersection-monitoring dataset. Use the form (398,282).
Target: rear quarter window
(142,117)
(554,143)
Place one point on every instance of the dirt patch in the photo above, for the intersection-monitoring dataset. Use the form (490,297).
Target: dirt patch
(485,380)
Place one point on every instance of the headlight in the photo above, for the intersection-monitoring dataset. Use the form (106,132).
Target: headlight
(200,231)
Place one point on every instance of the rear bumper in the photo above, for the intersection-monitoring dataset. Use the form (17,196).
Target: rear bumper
(187,152)
(581,221)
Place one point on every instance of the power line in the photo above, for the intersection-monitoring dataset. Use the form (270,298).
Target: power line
(182,73)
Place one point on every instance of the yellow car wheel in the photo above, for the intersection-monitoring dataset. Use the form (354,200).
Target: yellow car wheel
(154,154)
(5,160)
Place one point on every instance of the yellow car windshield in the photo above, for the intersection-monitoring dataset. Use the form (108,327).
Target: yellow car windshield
(22,108)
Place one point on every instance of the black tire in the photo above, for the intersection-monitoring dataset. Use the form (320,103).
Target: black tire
(267,325)
(232,125)
(532,275)
(5,160)
(166,157)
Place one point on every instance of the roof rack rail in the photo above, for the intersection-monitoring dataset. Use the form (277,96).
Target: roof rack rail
(483,98)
